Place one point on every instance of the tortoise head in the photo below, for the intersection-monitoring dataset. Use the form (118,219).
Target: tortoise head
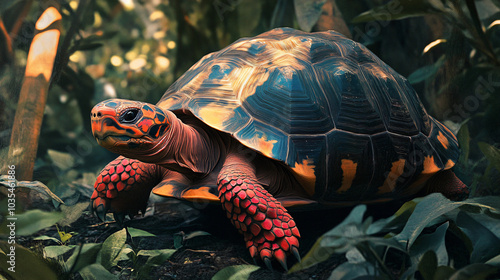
(128,127)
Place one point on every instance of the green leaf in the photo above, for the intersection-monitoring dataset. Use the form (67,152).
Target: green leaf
(428,265)
(26,264)
(33,221)
(433,241)
(195,234)
(156,257)
(82,257)
(112,247)
(491,153)
(135,232)
(324,246)
(431,207)
(308,12)
(235,272)
(495,261)
(45,237)
(426,72)
(483,231)
(54,252)
(400,9)
(477,271)
(96,272)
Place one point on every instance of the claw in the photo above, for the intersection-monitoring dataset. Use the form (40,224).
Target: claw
(119,218)
(281,258)
(295,252)
(101,212)
(283,264)
(267,261)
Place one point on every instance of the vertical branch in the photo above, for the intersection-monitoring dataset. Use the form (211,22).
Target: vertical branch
(6,47)
(33,95)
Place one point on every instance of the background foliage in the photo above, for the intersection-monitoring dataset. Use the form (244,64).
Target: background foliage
(135,49)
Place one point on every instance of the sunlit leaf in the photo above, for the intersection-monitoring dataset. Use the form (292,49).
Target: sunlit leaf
(155,258)
(135,232)
(235,272)
(308,12)
(111,248)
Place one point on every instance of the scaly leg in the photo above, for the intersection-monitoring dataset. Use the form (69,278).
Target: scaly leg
(123,187)
(268,229)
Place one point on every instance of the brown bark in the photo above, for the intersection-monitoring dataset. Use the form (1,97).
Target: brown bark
(33,95)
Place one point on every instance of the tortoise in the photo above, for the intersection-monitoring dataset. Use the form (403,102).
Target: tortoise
(286,119)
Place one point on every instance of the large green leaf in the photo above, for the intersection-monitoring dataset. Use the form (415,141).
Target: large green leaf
(235,272)
(112,247)
(348,271)
(26,264)
(308,12)
(400,9)
(32,221)
(483,232)
(72,213)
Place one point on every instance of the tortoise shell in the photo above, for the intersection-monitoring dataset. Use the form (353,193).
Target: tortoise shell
(348,126)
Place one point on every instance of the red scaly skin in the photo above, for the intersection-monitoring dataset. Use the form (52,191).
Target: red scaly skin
(123,186)
(268,229)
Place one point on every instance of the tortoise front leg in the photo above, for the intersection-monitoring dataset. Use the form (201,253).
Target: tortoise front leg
(123,187)
(268,229)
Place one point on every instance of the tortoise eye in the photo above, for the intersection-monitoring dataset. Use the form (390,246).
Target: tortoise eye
(129,116)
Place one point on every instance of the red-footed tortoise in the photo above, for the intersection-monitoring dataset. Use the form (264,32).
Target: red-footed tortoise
(285,119)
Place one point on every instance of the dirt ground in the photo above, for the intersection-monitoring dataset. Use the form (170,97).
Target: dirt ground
(203,256)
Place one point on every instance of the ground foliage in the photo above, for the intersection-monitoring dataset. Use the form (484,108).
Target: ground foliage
(449,50)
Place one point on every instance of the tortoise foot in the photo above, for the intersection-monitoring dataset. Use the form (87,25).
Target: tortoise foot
(123,188)
(269,231)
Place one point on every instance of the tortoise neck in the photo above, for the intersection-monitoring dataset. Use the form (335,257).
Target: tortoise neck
(188,148)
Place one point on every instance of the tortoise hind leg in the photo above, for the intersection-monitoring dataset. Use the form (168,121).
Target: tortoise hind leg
(447,183)
(269,231)
(123,187)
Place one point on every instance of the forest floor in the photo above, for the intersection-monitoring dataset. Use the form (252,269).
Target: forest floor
(218,247)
